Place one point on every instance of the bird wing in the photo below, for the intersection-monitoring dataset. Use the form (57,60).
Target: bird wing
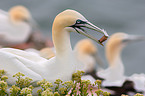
(23,54)
(138,80)
(14,61)
(33,66)
(111,77)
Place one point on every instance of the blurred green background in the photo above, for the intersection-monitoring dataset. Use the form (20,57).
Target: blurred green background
(112,15)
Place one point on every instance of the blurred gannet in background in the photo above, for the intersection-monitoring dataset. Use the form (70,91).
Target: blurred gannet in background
(15,26)
(87,53)
(63,64)
(18,29)
(87,57)
(114,74)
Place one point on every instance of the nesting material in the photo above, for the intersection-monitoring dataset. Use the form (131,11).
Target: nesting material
(104,38)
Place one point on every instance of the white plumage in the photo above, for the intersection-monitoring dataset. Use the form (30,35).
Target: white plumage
(62,65)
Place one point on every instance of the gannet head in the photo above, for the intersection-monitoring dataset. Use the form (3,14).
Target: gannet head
(73,21)
(19,13)
(86,46)
(117,42)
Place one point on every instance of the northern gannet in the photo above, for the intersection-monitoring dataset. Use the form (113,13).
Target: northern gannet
(15,26)
(114,74)
(63,64)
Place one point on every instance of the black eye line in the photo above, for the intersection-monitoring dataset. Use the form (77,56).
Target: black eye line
(80,22)
(77,30)
(79,27)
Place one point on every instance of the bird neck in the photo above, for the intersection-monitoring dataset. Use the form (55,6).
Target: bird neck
(115,62)
(116,68)
(64,59)
(113,54)
(61,40)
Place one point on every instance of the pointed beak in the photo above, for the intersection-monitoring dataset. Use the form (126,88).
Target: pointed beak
(91,26)
(86,24)
(134,38)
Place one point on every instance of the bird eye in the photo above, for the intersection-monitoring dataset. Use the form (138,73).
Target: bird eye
(78,21)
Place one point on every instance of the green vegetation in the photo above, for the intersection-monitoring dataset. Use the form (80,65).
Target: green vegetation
(74,87)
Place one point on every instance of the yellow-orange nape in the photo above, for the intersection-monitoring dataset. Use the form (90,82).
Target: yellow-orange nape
(19,13)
